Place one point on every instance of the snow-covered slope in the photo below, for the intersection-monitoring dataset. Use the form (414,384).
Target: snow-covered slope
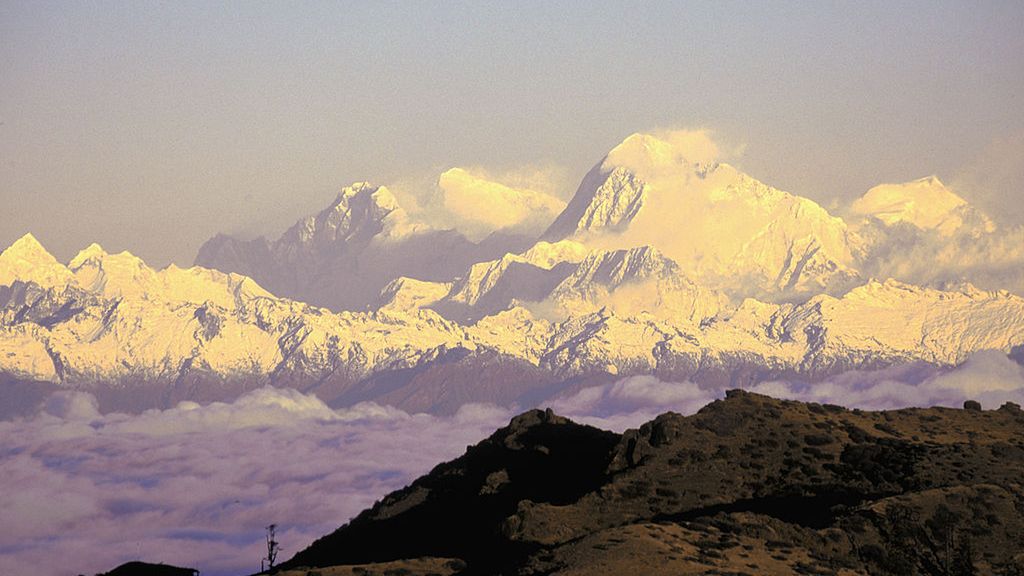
(495,285)
(121,276)
(723,228)
(564,278)
(925,203)
(115,320)
(342,257)
(666,262)
(923,233)
(26,260)
(637,281)
(123,330)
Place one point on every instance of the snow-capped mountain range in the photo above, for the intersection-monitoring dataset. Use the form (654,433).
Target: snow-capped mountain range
(665,262)
(342,257)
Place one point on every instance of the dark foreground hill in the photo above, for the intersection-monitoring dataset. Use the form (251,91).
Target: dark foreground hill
(749,485)
(146,569)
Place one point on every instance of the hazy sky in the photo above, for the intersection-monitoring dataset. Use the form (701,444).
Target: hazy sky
(152,126)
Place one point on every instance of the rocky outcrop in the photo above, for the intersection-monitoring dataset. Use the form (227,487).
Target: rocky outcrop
(748,485)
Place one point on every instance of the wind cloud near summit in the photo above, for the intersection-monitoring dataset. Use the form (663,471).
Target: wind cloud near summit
(477,200)
(481,205)
(194,485)
(668,146)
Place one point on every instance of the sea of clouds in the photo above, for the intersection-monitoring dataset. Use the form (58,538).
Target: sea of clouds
(82,492)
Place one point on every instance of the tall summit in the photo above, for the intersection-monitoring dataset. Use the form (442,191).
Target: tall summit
(723,227)
(345,255)
(359,213)
(26,259)
(667,262)
(925,203)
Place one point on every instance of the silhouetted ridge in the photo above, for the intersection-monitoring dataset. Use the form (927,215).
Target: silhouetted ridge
(146,569)
(748,485)
(457,509)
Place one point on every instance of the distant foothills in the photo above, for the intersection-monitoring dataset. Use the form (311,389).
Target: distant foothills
(665,262)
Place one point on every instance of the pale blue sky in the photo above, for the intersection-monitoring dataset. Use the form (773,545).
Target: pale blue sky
(151,126)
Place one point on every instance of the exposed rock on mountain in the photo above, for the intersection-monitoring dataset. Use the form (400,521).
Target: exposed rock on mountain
(748,485)
(342,257)
(139,338)
(717,227)
(723,228)
(650,269)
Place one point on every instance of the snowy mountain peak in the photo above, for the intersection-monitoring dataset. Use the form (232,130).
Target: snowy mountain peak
(357,214)
(27,249)
(112,275)
(95,256)
(644,154)
(548,254)
(407,294)
(27,260)
(721,226)
(124,276)
(925,203)
(92,252)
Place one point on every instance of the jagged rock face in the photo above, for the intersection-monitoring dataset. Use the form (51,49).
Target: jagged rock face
(722,227)
(606,200)
(140,338)
(748,485)
(644,274)
(344,256)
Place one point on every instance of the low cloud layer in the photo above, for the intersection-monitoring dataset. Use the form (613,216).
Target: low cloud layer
(992,261)
(989,377)
(632,401)
(194,485)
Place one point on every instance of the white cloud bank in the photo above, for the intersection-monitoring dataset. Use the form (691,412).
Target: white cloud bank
(478,201)
(83,492)
(194,485)
(989,377)
(481,205)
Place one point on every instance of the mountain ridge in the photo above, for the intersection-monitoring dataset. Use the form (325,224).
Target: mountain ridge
(666,262)
(747,485)
(343,257)
(151,338)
